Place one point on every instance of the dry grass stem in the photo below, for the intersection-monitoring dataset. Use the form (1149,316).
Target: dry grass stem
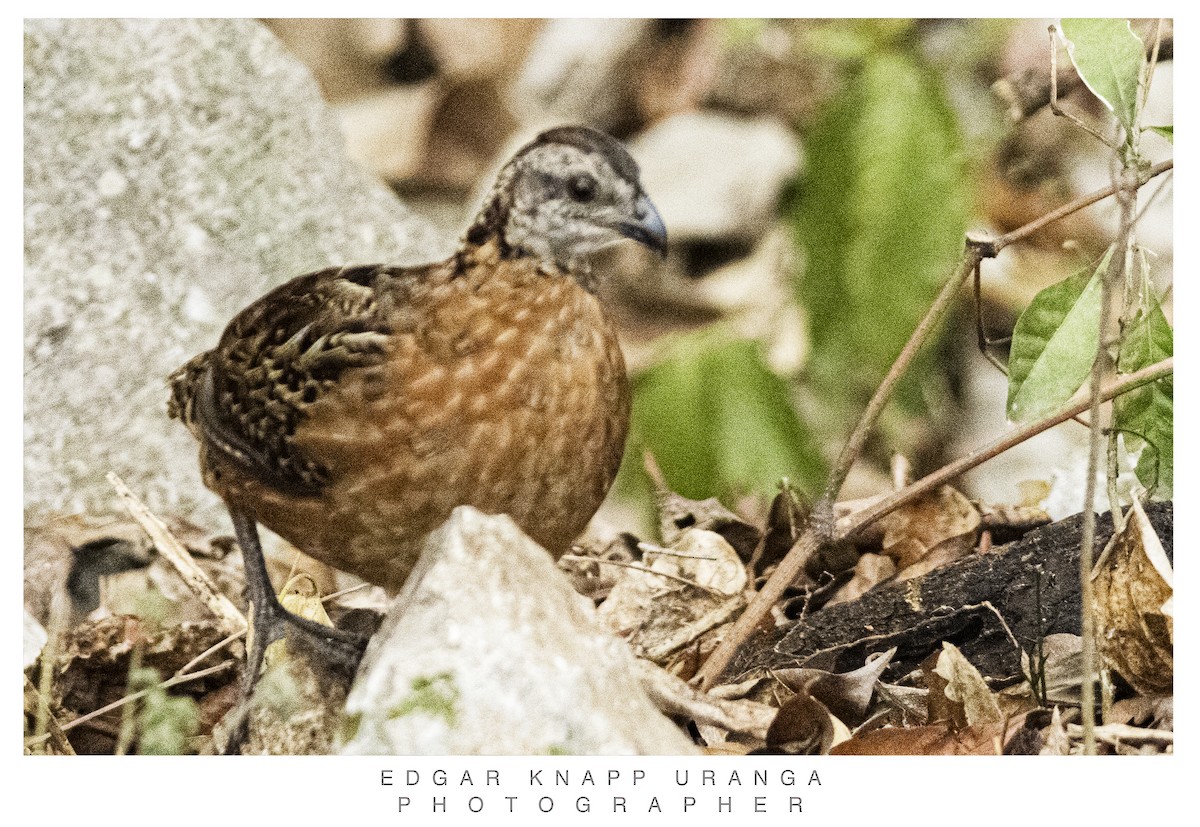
(177,555)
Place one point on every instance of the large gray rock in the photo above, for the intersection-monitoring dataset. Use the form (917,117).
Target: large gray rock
(174,171)
(488,650)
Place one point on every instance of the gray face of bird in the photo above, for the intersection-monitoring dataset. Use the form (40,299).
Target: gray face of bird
(568,203)
(570,192)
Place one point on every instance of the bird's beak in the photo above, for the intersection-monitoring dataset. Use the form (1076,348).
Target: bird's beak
(648,229)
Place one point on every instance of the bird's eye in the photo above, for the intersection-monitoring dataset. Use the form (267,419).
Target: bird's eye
(582,187)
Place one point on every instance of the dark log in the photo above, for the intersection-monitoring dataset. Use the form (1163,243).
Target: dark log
(1032,584)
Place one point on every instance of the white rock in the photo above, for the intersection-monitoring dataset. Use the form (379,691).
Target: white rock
(488,650)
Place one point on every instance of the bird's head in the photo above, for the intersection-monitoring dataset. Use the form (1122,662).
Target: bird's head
(566,194)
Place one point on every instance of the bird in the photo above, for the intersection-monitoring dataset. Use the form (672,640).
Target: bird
(350,410)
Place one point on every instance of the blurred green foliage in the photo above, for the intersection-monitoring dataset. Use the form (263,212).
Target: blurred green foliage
(165,723)
(880,218)
(903,120)
(719,421)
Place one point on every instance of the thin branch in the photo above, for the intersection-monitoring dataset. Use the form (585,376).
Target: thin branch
(760,607)
(1075,206)
(1166,182)
(175,681)
(1102,365)
(216,647)
(345,591)
(578,558)
(977,249)
(854,523)
(651,548)
(178,556)
(1117,734)
(980,332)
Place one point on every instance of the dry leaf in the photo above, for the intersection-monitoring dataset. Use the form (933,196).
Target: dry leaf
(1134,612)
(1032,493)
(1011,521)
(944,518)
(1056,740)
(909,704)
(869,572)
(937,739)
(785,522)
(938,556)
(677,513)
(803,726)
(726,748)
(1151,711)
(848,695)
(681,593)
(300,596)
(675,697)
(965,686)
(733,691)
(1061,673)
(939,708)
(920,740)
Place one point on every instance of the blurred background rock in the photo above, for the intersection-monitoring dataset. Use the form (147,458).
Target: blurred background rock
(816,177)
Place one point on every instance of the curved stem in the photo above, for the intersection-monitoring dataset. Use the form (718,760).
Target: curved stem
(856,522)
(1075,206)
(822,528)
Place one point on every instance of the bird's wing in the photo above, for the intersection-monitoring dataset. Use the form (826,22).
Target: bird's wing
(244,398)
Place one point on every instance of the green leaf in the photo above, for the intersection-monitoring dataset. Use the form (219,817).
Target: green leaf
(742,31)
(165,723)
(853,39)
(880,216)
(1108,56)
(1167,132)
(720,422)
(1149,411)
(1054,344)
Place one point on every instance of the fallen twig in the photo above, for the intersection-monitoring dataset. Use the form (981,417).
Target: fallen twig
(578,558)
(1125,734)
(175,681)
(170,548)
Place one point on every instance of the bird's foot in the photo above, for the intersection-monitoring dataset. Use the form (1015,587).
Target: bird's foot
(328,646)
(331,652)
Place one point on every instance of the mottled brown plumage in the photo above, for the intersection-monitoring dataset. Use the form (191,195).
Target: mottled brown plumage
(351,409)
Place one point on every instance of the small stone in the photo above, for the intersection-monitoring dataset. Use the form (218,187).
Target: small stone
(112,184)
(716,175)
(488,650)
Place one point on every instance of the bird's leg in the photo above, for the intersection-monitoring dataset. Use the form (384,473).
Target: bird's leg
(328,646)
(271,621)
